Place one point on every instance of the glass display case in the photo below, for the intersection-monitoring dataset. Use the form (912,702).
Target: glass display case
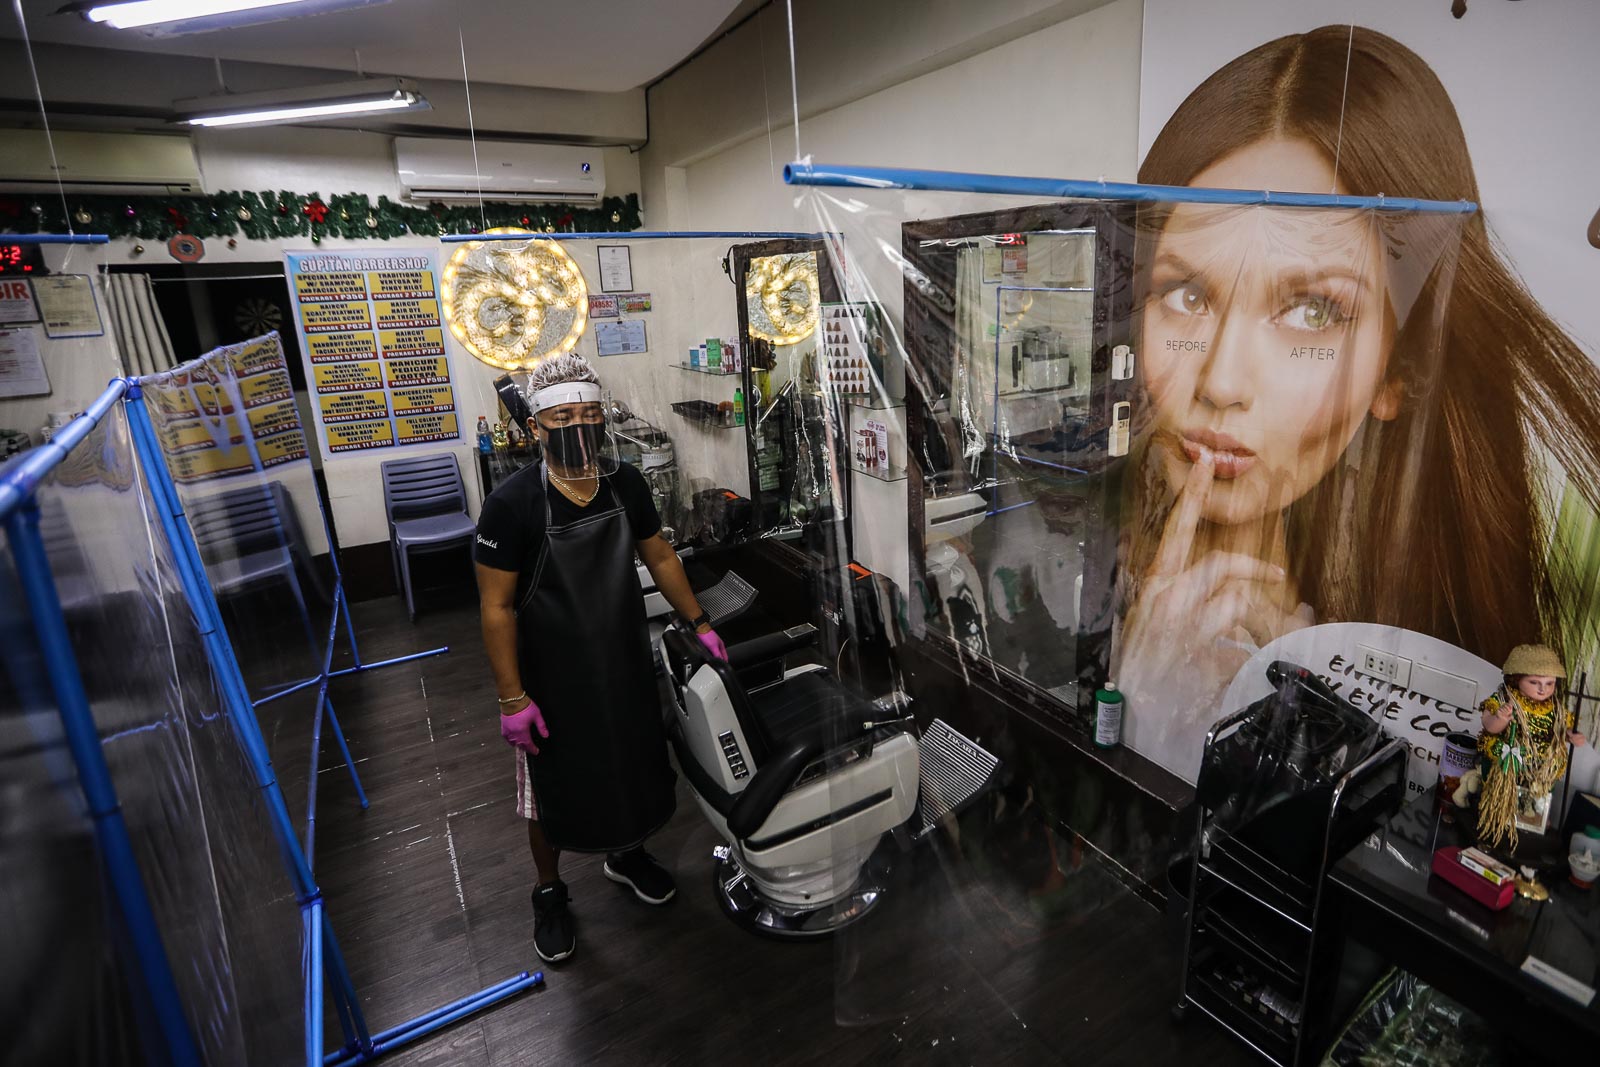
(1018,402)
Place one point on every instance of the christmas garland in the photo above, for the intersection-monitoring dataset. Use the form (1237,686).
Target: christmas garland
(268,215)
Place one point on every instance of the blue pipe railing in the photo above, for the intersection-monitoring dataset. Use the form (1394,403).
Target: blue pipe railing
(158,985)
(156,991)
(823,174)
(55,239)
(635,235)
(22,474)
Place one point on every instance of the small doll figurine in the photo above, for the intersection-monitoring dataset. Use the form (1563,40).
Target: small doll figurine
(1522,750)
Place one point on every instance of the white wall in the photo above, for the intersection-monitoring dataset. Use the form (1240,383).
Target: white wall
(1062,101)
(844,51)
(305,160)
(79,368)
(1055,98)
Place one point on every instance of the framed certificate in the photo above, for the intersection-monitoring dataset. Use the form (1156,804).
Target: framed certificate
(616,269)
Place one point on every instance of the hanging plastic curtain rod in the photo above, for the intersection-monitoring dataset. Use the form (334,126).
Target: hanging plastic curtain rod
(613,235)
(56,239)
(807,173)
(20,478)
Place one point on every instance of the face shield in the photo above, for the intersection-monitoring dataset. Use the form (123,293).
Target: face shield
(574,431)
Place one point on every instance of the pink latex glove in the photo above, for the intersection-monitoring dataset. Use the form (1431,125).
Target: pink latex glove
(517,728)
(714,644)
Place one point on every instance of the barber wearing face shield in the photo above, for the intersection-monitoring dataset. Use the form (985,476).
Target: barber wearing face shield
(564,627)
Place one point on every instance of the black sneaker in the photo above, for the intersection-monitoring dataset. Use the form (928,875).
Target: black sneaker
(639,871)
(553,938)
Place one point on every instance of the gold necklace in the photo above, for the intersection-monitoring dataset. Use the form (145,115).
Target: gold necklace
(578,498)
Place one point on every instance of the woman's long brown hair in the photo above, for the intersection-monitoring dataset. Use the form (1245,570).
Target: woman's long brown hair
(1434,524)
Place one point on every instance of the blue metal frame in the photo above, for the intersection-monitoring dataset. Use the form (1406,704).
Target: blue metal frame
(360,1045)
(635,235)
(804,172)
(341,606)
(56,239)
(157,988)
(171,1039)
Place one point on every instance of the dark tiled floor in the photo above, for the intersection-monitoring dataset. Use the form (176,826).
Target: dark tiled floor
(1001,942)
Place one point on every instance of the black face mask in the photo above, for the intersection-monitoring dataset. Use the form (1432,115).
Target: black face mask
(574,447)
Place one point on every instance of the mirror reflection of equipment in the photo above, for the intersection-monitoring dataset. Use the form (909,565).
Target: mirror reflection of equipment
(512,305)
(783,298)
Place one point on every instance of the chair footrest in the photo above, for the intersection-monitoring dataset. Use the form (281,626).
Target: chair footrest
(955,772)
(728,599)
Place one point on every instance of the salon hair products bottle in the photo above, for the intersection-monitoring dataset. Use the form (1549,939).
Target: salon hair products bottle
(738,407)
(1108,716)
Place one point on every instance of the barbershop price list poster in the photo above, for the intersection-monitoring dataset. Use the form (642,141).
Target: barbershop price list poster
(374,348)
(197,413)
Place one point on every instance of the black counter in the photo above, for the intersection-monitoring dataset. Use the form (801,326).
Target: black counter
(1392,902)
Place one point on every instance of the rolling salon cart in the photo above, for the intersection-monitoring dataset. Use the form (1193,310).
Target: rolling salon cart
(1287,786)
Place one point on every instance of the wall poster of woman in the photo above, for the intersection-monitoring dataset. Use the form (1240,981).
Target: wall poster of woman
(1345,416)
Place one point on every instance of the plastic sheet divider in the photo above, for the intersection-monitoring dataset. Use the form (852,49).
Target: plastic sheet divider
(341,607)
(360,1046)
(156,989)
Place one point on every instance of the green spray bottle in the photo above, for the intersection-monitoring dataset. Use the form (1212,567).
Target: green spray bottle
(1108,716)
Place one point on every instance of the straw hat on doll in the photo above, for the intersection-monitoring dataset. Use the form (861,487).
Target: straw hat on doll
(1540,661)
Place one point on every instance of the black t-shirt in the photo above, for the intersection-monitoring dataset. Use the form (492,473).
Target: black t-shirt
(511,523)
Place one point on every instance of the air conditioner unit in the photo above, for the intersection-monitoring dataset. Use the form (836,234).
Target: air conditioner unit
(104,163)
(436,169)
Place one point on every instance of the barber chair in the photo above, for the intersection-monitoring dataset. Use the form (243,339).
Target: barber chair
(801,777)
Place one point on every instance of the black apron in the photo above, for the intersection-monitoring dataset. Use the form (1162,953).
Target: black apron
(601,779)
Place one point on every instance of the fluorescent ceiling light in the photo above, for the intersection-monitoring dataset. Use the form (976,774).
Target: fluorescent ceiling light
(406,102)
(164,18)
(310,104)
(135,13)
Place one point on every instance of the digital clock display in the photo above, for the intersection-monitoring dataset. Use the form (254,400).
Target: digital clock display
(21,259)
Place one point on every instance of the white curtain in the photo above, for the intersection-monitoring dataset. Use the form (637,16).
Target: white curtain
(141,335)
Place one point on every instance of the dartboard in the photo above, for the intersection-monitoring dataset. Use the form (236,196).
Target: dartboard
(255,316)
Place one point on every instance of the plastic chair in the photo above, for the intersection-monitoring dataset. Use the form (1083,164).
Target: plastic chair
(251,536)
(427,506)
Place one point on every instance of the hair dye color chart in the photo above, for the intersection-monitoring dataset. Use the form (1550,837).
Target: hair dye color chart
(373,342)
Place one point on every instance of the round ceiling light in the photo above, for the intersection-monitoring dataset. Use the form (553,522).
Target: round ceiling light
(781,297)
(513,304)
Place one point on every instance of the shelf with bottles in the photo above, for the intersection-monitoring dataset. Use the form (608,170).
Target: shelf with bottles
(719,371)
(882,474)
(711,416)
(877,436)
(875,402)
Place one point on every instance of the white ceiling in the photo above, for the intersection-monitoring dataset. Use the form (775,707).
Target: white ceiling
(591,45)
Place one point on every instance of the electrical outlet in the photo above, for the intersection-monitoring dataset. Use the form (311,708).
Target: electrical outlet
(1380,664)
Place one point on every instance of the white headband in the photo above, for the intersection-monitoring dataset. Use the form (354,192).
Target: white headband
(566,393)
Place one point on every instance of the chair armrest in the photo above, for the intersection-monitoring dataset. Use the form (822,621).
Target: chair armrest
(772,779)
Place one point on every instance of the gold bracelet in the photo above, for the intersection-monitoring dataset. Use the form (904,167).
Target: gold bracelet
(512,700)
